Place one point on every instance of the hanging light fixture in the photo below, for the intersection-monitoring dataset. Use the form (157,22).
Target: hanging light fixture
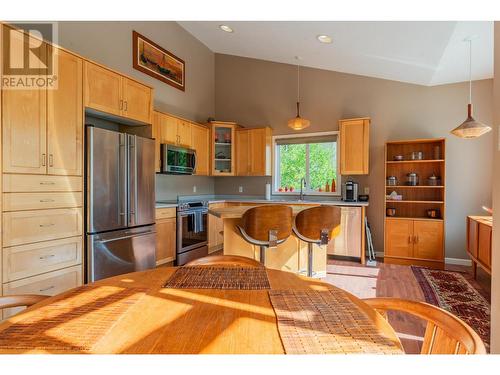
(298,123)
(470,128)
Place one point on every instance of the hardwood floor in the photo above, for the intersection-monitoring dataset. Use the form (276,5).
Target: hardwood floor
(391,280)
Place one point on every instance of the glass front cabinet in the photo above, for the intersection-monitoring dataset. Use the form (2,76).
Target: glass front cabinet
(222,148)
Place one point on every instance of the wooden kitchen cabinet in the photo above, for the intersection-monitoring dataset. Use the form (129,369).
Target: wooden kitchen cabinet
(354,146)
(479,229)
(110,92)
(165,240)
(43,129)
(103,89)
(155,133)
(253,152)
(65,118)
(215,230)
(24,124)
(173,130)
(199,142)
(412,241)
(222,148)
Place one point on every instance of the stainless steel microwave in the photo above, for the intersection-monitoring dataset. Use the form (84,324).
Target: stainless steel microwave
(177,160)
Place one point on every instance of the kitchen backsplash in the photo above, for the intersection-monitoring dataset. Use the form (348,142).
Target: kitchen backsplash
(168,187)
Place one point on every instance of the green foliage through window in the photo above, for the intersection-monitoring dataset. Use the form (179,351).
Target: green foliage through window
(321,169)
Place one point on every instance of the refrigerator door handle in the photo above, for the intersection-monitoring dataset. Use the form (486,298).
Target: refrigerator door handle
(122,178)
(132,179)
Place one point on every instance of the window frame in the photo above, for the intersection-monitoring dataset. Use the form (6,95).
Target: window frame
(276,164)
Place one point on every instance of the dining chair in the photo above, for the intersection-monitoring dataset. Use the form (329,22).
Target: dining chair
(21,300)
(317,226)
(224,260)
(266,226)
(444,333)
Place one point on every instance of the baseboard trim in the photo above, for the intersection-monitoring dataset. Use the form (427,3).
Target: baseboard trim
(456,261)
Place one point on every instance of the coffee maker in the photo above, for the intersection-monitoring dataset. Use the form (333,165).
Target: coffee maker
(350,191)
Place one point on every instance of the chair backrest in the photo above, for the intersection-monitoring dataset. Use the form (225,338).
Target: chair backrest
(20,300)
(258,221)
(310,223)
(444,334)
(225,260)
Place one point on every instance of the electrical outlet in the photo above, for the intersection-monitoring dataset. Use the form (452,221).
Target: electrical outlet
(194,189)
(367,190)
(240,189)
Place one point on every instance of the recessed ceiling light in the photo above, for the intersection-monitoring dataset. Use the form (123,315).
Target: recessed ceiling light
(324,39)
(226,28)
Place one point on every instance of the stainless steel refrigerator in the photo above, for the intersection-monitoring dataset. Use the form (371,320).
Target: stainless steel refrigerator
(120,203)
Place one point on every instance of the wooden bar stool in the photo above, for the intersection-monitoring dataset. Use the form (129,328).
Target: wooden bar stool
(317,225)
(266,226)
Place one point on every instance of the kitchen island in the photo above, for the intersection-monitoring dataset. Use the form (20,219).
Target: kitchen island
(291,255)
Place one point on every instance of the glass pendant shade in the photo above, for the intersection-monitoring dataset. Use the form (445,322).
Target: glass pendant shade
(298,123)
(470,128)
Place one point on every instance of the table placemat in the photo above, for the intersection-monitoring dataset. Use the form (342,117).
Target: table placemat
(219,277)
(75,323)
(326,322)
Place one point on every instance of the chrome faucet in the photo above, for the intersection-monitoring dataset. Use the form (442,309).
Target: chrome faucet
(302,185)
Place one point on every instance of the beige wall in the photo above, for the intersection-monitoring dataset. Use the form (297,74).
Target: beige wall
(255,92)
(495,279)
(110,43)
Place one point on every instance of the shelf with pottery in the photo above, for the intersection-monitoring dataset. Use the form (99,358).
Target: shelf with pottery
(415,211)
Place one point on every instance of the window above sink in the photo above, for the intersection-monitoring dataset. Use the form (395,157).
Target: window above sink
(313,156)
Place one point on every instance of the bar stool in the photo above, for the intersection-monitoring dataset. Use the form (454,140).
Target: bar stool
(266,226)
(317,225)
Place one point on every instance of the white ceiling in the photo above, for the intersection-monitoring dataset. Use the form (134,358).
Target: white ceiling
(423,52)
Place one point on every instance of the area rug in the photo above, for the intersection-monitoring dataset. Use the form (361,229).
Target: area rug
(452,292)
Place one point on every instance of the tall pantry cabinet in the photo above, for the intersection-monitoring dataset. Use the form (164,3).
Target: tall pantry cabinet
(42,182)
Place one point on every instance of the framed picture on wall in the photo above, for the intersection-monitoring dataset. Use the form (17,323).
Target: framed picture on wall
(151,59)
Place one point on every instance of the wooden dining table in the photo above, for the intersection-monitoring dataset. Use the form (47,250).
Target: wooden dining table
(165,320)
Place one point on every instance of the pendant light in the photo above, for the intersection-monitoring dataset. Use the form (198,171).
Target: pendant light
(470,128)
(298,123)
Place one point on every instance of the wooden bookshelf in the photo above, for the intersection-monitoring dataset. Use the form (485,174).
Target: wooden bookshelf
(411,236)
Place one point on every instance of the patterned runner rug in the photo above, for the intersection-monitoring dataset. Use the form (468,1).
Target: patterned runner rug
(452,292)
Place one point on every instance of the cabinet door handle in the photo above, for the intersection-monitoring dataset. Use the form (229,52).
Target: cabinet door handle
(46,225)
(44,160)
(415,239)
(121,104)
(409,239)
(48,288)
(47,256)
(47,183)
(126,106)
(51,160)
(47,200)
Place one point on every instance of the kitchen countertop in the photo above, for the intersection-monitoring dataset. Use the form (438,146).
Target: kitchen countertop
(258,200)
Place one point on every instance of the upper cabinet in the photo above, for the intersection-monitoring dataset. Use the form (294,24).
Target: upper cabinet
(222,148)
(43,129)
(200,143)
(253,152)
(109,92)
(173,130)
(354,146)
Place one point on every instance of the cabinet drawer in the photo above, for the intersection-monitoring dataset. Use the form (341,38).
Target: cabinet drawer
(37,183)
(37,201)
(25,227)
(29,260)
(165,213)
(49,284)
